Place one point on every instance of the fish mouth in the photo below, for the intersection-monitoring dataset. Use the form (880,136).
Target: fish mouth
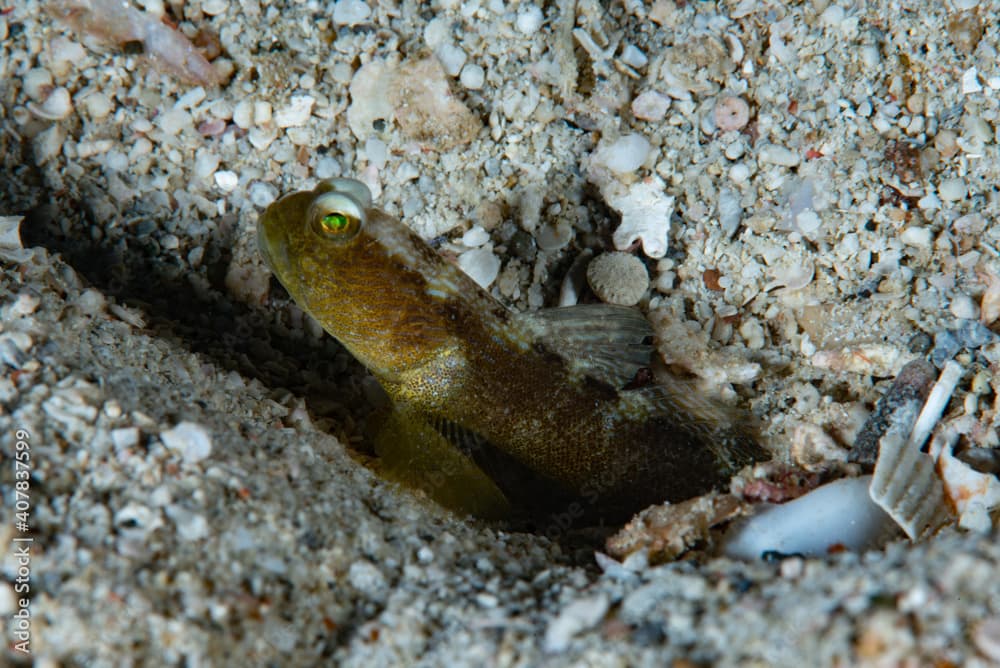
(262,244)
(270,242)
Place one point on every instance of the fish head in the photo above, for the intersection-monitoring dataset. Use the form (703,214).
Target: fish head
(363,275)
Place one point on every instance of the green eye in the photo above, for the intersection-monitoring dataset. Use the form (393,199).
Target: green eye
(335,222)
(336,216)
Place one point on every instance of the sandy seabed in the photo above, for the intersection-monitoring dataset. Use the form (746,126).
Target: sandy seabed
(829,176)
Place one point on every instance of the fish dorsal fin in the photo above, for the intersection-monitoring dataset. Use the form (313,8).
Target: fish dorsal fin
(602,341)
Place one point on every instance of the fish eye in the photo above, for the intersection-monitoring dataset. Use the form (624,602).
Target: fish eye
(353,188)
(336,216)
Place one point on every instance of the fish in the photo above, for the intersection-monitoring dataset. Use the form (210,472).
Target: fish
(496,413)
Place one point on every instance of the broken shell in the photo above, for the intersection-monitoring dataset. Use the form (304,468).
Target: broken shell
(832,517)
(905,483)
(973,494)
(736,50)
(56,106)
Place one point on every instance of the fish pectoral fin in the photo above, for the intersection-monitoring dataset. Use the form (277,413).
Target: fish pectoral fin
(603,341)
(730,434)
(526,489)
(413,453)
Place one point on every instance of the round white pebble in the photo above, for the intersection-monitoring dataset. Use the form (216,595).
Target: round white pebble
(650,106)
(296,113)
(226,180)
(481,265)
(190,439)
(735,150)
(214,7)
(917,236)
(205,163)
(626,154)
(350,12)
(529,20)
(475,236)
(962,306)
(262,194)
(952,190)
(472,77)
(929,202)
(739,173)
(618,278)
(98,105)
(452,59)
(327,167)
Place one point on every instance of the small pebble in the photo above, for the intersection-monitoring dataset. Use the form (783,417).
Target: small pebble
(205,163)
(243,114)
(56,106)
(778,155)
(624,155)
(576,617)
(552,237)
(735,150)
(452,58)
(929,202)
(262,112)
(529,20)
(37,83)
(946,143)
(952,189)
(481,265)
(211,127)
(262,194)
(633,57)
(190,526)
(973,334)
(963,307)
(367,579)
(731,113)
(946,346)
(191,440)
(226,180)
(350,12)
(190,98)
(970,82)
(214,7)
(97,105)
(173,121)
(475,236)
(472,77)
(739,173)
(618,278)
(650,106)
(917,236)
(296,113)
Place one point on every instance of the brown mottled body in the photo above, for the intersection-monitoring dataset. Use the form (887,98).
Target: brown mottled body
(546,431)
